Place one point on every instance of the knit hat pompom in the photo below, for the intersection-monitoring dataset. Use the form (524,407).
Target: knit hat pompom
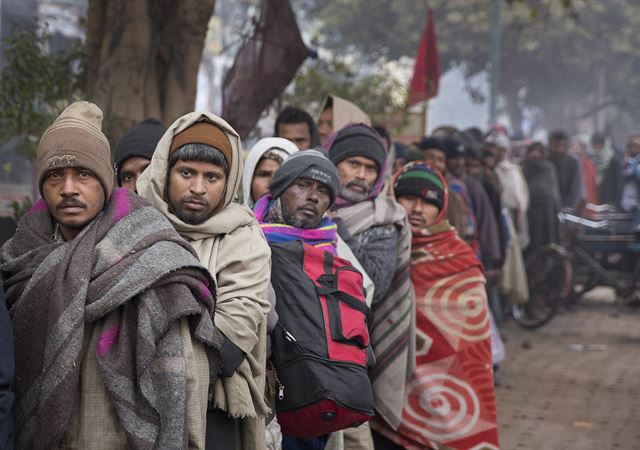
(310,164)
(75,139)
(358,140)
(421,181)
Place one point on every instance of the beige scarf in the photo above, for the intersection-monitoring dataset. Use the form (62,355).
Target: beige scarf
(231,245)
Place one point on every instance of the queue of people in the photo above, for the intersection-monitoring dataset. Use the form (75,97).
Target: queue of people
(347,301)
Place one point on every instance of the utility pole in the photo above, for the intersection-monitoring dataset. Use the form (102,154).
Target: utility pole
(496,33)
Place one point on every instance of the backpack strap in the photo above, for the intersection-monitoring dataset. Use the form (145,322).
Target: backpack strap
(328,287)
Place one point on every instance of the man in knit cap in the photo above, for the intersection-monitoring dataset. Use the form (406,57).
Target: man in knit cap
(193,179)
(459,214)
(301,192)
(453,337)
(134,151)
(376,229)
(111,308)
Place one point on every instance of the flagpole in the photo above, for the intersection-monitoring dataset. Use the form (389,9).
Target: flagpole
(425,118)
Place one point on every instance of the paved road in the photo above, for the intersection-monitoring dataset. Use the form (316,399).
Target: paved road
(573,384)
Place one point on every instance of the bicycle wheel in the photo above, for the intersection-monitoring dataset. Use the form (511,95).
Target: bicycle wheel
(547,274)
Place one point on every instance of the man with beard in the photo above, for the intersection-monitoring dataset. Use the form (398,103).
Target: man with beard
(193,177)
(376,229)
(111,309)
(301,192)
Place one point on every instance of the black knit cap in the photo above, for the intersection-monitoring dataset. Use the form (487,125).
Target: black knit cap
(421,181)
(311,164)
(141,140)
(431,142)
(358,140)
(454,148)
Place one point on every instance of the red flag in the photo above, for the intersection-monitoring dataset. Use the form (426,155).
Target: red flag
(426,72)
(264,66)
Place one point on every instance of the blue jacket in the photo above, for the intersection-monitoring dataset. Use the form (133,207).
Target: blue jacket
(7,368)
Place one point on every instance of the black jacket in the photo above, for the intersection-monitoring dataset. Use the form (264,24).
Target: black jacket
(610,188)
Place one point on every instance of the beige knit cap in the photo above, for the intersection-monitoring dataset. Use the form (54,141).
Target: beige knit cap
(75,139)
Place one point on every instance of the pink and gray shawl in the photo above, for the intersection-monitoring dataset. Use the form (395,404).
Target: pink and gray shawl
(132,274)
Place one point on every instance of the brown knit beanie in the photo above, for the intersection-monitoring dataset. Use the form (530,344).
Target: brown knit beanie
(75,139)
(203,133)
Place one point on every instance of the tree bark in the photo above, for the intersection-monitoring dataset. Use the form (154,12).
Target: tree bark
(142,58)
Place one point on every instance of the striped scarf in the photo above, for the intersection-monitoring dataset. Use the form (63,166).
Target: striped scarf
(394,318)
(269,214)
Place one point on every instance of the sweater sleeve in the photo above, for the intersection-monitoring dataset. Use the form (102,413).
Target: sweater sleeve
(243,269)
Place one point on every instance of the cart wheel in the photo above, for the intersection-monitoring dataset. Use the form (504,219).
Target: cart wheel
(548,276)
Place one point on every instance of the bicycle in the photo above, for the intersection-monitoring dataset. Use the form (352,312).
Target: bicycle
(603,250)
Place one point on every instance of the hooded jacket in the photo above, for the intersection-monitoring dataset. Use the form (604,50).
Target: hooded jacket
(255,154)
(344,112)
(231,245)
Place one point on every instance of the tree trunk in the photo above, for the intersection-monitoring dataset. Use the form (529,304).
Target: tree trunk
(142,58)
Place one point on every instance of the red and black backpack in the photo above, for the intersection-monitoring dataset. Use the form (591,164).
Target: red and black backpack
(320,347)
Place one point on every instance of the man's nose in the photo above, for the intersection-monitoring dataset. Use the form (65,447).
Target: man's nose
(69,186)
(312,194)
(197,185)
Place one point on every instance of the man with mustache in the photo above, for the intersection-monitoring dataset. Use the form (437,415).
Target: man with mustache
(111,309)
(452,355)
(192,179)
(301,192)
(376,229)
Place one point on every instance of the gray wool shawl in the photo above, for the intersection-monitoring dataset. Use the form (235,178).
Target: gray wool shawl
(132,272)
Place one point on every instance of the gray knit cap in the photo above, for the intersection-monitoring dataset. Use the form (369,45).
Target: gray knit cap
(310,164)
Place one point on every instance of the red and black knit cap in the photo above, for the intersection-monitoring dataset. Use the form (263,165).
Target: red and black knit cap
(423,181)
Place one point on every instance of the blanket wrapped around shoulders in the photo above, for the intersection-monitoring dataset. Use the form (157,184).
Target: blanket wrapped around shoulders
(394,318)
(450,402)
(129,272)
